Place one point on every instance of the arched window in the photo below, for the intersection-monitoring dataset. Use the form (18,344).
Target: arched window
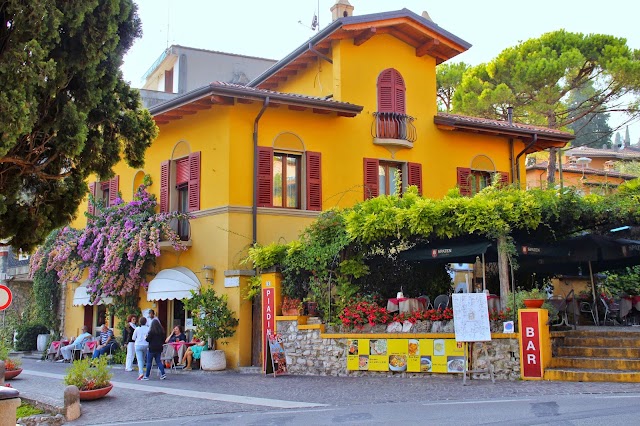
(391,92)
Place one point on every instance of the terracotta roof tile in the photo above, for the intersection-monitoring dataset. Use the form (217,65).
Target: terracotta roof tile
(504,124)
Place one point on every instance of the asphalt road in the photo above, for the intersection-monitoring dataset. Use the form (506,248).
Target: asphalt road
(246,399)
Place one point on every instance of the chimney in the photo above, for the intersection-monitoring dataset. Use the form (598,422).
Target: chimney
(426,16)
(341,9)
(510,114)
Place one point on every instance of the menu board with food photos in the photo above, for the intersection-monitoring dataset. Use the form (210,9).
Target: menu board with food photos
(410,355)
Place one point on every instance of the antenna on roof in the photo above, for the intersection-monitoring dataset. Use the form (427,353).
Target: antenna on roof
(168,16)
(315,21)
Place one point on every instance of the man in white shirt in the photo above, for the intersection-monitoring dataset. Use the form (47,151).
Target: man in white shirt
(76,344)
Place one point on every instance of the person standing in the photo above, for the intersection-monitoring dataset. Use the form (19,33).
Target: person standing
(129,341)
(152,317)
(141,345)
(156,340)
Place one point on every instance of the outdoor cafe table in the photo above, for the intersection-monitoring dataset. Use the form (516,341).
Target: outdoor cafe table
(181,348)
(407,304)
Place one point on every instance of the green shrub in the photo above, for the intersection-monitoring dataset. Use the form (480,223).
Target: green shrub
(81,375)
(119,356)
(27,338)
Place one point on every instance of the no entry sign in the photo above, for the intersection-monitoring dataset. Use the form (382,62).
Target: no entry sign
(5,297)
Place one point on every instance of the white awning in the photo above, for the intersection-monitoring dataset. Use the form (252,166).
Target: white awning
(173,283)
(81,297)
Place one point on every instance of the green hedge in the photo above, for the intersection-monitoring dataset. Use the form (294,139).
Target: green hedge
(27,338)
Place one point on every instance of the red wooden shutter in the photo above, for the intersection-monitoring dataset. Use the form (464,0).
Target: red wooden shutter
(113,190)
(391,92)
(385,91)
(164,186)
(464,181)
(92,190)
(504,178)
(265,177)
(414,175)
(371,183)
(314,181)
(398,93)
(168,81)
(182,171)
(194,181)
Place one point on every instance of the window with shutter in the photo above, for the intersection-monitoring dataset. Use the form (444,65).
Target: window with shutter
(414,175)
(314,181)
(194,181)
(182,171)
(265,177)
(92,190)
(464,181)
(391,92)
(113,190)
(371,183)
(504,178)
(164,186)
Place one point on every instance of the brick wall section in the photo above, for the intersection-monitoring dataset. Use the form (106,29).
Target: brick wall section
(309,352)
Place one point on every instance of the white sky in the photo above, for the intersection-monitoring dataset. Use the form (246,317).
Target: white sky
(270,28)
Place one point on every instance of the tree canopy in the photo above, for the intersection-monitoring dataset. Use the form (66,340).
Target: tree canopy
(537,76)
(65,110)
(448,78)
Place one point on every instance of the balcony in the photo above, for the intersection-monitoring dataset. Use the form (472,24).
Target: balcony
(393,130)
(183,229)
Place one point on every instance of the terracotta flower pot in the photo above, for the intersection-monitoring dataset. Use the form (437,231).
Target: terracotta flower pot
(290,312)
(10,374)
(89,395)
(533,303)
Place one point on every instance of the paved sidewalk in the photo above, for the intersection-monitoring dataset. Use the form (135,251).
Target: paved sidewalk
(198,393)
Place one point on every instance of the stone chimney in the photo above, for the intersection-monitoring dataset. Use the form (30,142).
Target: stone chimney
(341,9)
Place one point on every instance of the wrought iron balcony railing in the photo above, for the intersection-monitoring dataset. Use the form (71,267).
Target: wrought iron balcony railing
(391,125)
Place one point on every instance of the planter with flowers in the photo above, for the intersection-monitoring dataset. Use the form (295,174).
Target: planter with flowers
(291,306)
(11,365)
(91,377)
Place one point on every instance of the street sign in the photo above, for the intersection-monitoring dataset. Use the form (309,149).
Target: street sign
(5,297)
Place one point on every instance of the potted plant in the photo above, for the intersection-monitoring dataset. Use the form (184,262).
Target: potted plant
(291,306)
(533,298)
(93,383)
(214,321)
(11,365)
(311,306)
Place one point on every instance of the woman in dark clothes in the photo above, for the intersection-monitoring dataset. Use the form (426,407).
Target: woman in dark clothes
(156,340)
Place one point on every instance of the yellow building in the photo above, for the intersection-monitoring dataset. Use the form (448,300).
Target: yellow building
(334,122)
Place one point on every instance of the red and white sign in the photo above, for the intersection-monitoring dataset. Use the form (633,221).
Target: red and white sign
(5,297)
(530,334)
(268,319)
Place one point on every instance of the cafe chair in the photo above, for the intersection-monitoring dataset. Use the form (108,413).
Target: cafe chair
(587,308)
(441,302)
(168,356)
(561,305)
(611,311)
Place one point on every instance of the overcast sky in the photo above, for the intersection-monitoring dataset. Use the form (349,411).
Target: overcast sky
(271,28)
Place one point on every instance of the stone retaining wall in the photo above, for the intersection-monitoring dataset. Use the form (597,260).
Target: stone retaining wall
(311,351)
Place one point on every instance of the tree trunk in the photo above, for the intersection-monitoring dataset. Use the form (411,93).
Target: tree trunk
(503,271)
(551,168)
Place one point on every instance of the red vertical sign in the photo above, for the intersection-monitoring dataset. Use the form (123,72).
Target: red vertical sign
(268,320)
(530,334)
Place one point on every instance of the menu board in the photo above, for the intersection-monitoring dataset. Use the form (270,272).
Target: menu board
(471,317)
(275,351)
(410,355)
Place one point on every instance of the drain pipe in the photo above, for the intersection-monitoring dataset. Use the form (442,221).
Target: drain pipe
(535,139)
(254,210)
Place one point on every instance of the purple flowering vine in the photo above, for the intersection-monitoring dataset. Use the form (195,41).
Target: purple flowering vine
(116,246)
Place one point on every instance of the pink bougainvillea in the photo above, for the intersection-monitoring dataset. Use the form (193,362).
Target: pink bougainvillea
(115,247)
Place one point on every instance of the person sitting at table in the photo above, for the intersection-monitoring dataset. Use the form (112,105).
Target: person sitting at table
(176,336)
(79,341)
(107,342)
(193,352)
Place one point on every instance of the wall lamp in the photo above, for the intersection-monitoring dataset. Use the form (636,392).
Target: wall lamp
(207,273)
